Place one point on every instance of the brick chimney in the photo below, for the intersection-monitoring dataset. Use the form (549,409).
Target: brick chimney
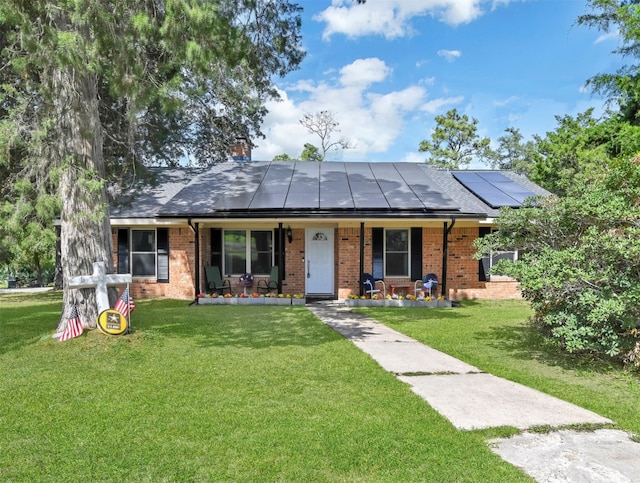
(241,150)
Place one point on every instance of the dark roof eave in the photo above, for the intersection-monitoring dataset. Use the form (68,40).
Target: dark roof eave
(327,213)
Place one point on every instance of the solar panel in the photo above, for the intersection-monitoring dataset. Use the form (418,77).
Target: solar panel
(494,188)
(425,189)
(301,199)
(370,200)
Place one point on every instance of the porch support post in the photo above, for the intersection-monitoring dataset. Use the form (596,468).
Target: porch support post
(445,254)
(361,258)
(196,246)
(280,256)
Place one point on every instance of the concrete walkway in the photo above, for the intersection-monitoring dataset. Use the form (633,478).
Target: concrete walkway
(25,290)
(471,399)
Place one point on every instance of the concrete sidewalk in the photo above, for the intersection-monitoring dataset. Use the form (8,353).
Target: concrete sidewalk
(471,399)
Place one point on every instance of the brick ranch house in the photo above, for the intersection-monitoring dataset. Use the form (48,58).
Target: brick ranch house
(322,224)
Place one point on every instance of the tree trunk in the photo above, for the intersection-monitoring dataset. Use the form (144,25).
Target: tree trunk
(57,277)
(85,232)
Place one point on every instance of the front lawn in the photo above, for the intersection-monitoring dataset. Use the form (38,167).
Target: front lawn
(218,393)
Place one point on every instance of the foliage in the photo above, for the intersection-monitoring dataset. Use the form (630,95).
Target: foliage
(324,124)
(576,151)
(310,153)
(512,153)
(172,81)
(282,157)
(623,86)
(89,89)
(580,263)
(27,235)
(455,142)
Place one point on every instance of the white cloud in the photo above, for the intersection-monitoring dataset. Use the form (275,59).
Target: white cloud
(435,105)
(414,157)
(428,81)
(449,55)
(392,18)
(505,102)
(607,36)
(372,121)
(364,72)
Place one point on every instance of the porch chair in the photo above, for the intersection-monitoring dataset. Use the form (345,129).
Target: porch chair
(369,285)
(430,282)
(271,284)
(215,282)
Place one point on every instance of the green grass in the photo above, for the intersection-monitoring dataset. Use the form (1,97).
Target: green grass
(495,337)
(215,393)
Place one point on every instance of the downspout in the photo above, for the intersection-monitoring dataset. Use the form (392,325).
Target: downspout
(196,236)
(361,258)
(280,256)
(445,254)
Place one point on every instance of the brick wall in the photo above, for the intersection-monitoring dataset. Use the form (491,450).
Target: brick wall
(348,259)
(462,270)
(294,278)
(181,270)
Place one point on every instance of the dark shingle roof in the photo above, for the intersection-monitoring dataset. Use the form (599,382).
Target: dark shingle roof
(254,189)
(152,192)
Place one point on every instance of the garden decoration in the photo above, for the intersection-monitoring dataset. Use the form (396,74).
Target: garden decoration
(100,281)
(246,280)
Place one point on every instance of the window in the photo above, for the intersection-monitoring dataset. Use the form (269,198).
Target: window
(396,253)
(144,253)
(490,259)
(248,251)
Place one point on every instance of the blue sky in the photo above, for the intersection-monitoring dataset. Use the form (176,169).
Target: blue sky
(388,67)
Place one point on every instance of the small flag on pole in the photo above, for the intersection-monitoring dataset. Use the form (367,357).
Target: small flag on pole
(74,325)
(125,304)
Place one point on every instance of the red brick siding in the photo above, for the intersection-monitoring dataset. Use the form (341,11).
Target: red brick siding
(294,279)
(348,259)
(462,269)
(181,273)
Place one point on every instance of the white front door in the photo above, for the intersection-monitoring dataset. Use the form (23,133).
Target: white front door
(319,261)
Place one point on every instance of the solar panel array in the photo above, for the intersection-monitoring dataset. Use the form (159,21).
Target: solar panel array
(494,188)
(337,186)
(333,186)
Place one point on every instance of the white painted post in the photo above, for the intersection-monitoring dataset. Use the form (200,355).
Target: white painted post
(100,281)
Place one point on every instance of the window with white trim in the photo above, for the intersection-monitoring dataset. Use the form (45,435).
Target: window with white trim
(143,253)
(396,252)
(248,251)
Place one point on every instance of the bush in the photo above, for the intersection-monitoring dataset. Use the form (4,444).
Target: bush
(580,264)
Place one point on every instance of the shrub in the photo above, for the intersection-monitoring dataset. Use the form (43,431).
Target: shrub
(580,264)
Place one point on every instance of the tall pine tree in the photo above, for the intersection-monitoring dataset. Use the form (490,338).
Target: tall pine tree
(89,85)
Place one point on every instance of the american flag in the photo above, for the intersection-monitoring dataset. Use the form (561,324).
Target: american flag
(74,325)
(125,304)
